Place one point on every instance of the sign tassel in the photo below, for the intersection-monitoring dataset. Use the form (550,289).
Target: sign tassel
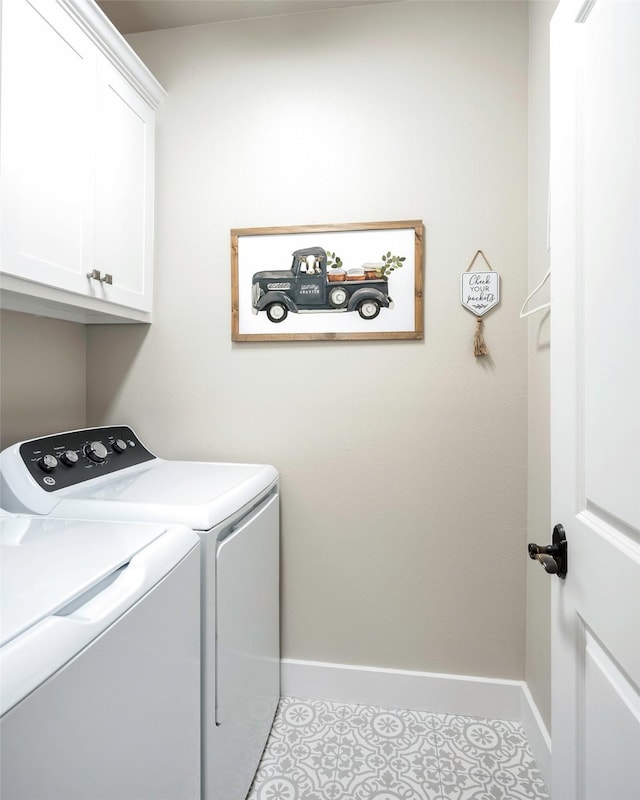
(479,346)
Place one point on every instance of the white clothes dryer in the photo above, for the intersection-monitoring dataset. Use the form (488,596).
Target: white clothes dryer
(108,474)
(99,660)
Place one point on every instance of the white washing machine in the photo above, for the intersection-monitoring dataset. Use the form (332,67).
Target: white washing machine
(107,473)
(99,660)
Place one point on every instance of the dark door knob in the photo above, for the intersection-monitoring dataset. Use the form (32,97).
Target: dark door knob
(553,557)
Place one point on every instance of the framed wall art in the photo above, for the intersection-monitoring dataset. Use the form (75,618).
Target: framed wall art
(327,282)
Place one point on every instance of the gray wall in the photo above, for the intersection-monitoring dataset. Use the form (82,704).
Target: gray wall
(403,464)
(42,378)
(538,628)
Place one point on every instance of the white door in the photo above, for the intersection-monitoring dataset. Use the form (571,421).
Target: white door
(595,407)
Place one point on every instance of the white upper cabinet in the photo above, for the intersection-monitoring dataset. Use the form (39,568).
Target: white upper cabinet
(124,190)
(48,112)
(76,165)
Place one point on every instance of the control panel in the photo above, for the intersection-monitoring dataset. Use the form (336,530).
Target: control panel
(66,459)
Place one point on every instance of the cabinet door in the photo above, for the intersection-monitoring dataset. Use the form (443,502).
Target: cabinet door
(46,155)
(124,190)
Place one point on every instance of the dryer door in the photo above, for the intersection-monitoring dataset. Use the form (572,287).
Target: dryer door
(247,617)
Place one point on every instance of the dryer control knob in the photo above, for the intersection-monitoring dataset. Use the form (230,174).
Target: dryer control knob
(96,451)
(48,463)
(119,445)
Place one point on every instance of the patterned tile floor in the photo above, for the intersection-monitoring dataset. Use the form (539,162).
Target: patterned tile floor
(331,751)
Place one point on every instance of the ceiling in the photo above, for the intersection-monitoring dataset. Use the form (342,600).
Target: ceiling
(135,16)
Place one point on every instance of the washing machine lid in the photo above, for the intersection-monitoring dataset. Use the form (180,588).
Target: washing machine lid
(45,564)
(197,494)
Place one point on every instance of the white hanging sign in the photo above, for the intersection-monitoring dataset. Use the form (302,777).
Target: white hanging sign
(479,291)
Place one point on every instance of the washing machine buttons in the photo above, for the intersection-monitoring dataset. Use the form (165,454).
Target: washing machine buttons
(96,451)
(70,458)
(119,445)
(48,463)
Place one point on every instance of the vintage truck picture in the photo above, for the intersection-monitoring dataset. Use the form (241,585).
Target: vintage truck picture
(316,282)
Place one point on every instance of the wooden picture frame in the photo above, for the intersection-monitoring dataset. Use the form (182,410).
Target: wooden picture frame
(377,296)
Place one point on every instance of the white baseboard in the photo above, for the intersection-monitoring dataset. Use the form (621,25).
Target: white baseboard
(423,691)
(395,688)
(537,734)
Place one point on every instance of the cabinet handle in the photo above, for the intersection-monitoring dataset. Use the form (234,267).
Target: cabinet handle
(95,275)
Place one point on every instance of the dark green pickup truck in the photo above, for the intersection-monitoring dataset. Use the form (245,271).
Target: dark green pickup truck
(310,286)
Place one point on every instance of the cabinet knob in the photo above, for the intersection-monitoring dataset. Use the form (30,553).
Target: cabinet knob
(107,279)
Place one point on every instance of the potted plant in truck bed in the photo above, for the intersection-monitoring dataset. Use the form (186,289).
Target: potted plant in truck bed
(389,263)
(335,269)
(382,269)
